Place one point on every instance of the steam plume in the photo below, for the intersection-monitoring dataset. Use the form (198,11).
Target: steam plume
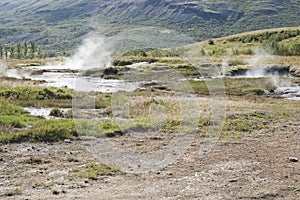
(93,53)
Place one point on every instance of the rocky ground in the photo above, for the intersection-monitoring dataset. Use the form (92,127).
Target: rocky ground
(249,166)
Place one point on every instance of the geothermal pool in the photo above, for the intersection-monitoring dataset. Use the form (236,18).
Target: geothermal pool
(61,76)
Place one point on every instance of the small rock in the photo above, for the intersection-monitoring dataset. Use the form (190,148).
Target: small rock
(55,192)
(293,159)
(170,174)
(67,141)
(232,180)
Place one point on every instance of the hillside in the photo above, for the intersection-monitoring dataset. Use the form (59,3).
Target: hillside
(279,41)
(59,25)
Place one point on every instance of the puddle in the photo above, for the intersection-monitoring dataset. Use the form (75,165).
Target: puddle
(290,93)
(43,112)
(39,112)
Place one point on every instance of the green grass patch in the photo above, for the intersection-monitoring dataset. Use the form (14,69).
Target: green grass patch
(172,124)
(236,62)
(173,61)
(95,170)
(57,103)
(7,108)
(199,87)
(161,53)
(43,131)
(249,122)
(36,93)
(123,61)
(16,121)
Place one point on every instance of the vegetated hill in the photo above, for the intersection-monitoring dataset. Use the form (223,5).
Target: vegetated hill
(278,41)
(61,24)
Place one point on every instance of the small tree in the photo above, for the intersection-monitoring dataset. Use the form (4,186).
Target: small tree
(19,51)
(46,54)
(32,49)
(12,51)
(6,53)
(40,54)
(1,51)
(25,50)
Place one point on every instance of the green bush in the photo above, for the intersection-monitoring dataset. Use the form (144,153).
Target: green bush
(211,42)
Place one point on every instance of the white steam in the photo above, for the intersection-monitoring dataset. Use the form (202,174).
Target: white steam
(257,62)
(94,52)
(278,82)
(12,73)
(261,57)
(225,62)
(258,72)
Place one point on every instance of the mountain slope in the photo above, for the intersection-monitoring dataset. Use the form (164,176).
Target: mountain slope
(61,24)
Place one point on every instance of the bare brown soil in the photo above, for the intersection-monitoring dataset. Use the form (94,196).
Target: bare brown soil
(249,166)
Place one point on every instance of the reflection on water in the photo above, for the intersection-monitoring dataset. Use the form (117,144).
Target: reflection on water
(56,78)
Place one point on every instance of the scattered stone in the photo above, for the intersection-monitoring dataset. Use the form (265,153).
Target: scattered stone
(55,192)
(233,180)
(55,112)
(293,159)
(67,141)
